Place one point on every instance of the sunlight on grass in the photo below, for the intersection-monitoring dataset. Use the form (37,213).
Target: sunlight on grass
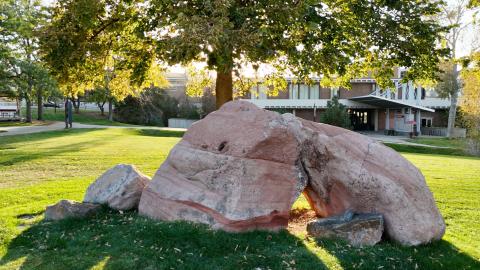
(40,169)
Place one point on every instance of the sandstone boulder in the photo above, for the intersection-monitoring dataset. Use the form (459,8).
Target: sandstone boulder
(241,168)
(357,229)
(349,171)
(71,209)
(120,188)
(236,170)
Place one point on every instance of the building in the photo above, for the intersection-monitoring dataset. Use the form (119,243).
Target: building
(8,110)
(409,108)
(406,109)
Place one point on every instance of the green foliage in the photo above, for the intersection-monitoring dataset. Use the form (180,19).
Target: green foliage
(152,107)
(198,82)
(93,44)
(99,96)
(336,114)
(470,100)
(208,103)
(309,36)
(188,110)
(448,83)
(474,3)
(336,39)
(23,74)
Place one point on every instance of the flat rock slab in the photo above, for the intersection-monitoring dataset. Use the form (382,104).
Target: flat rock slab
(70,209)
(357,229)
(120,188)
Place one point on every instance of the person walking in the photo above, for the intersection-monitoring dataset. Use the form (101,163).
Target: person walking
(68,113)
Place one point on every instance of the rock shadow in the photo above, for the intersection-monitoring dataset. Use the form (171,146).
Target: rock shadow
(387,255)
(127,241)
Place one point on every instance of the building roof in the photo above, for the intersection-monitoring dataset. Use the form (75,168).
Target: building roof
(383,102)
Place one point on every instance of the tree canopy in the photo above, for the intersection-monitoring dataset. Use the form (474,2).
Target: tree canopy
(22,73)
(92,44)
(332,38)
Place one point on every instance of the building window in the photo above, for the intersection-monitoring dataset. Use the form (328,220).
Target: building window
(315,91)
(293,91)
(426,122)
(303,88)
(262,92)
(335,92)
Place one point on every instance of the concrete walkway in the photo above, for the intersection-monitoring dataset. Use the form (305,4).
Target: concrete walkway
(10,131)
(398,140)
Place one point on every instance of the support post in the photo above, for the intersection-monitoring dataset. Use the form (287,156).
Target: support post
(375,120)
(419,122)
(387,120)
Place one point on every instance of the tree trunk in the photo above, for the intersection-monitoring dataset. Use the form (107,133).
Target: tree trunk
(224,88)
(39,106)
(102,108)
(452,113)
(29,109)
(110,110)
(19,106)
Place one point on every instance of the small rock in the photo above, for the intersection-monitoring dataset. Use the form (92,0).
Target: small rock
(71,209)
(357,229)
(120,188)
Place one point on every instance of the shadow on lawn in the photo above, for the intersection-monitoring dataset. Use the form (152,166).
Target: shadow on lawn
(159,133)
(126,241)
(45,153)
(9,142)
(438,255)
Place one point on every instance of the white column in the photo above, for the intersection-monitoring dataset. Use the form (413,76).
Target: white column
(419,122)
(387,120)
(294,112)
(375,119)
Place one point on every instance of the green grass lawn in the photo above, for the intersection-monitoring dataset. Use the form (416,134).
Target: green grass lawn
(441,142)
(40,169)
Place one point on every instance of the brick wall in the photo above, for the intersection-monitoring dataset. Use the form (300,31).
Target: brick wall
(358,89)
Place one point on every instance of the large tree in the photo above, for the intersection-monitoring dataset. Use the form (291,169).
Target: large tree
(329,38)
(332,38)
(470,101)
(23,73)
(454,15)
(92,44)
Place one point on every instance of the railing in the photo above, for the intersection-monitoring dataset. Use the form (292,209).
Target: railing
(442,132)
(303,103)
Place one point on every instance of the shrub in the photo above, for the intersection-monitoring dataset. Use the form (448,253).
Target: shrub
(152,107)
(336,114)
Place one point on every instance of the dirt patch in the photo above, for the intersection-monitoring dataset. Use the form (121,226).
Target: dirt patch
(299,218)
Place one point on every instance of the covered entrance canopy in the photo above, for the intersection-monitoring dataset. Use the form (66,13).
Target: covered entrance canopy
(383,102)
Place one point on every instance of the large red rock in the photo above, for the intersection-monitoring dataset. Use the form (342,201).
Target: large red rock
(235,170)
(349,171)
(241,168)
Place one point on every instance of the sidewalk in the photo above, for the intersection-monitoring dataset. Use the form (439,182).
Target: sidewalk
(398,140)
(60,126)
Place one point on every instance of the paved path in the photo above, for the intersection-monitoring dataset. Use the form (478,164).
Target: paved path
(398,140)
(60,126)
